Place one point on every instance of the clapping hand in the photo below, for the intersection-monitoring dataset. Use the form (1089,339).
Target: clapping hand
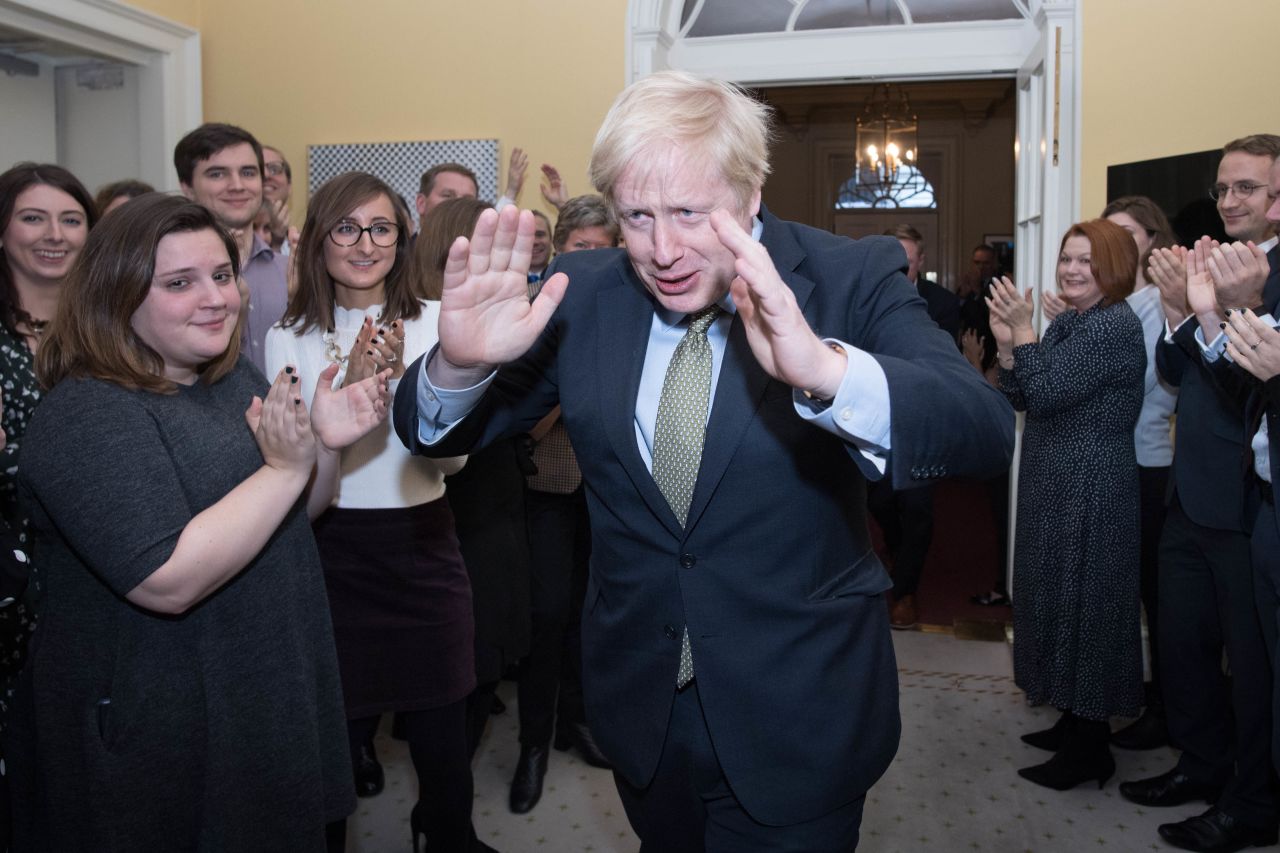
(361,363)
(486,318)
(1253,344)
(1167,271)
(387,346)
(1008,307)
(341,416)
(1201,298)
(1051,305)
(1239,272)
(281,426)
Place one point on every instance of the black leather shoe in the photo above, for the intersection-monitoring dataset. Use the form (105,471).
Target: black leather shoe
(1216,832)
(1147,732)
(578,735)
(369,776)
(526,786)
(1168,789)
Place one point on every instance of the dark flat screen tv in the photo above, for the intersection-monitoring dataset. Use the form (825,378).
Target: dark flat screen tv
(1180,185)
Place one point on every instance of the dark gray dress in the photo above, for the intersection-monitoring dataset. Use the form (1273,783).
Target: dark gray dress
(221,729)
(1075,597)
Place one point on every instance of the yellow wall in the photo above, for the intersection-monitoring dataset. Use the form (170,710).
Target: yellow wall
(1165,77)
(1159,77)
(298,72)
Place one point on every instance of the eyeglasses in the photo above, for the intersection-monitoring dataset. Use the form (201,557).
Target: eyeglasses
(382,234)
(275,170)
(1242,189)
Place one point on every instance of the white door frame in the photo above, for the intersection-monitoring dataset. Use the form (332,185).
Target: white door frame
(167,55)
(1041,51)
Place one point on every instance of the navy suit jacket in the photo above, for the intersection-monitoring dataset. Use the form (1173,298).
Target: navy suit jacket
(773,573)
(1210,444)
(943,306)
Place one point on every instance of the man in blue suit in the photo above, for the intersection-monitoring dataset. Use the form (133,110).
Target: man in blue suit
(729,382)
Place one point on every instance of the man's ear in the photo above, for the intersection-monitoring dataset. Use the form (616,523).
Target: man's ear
(754,206)
(421,203)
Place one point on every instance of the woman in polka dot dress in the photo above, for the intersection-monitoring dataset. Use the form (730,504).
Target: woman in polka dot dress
(1076,612)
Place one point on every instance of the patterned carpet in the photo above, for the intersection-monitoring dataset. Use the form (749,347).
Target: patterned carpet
(952,787)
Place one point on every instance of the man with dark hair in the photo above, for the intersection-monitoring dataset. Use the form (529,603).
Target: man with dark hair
(442,182)
(1206,592)
(220,167)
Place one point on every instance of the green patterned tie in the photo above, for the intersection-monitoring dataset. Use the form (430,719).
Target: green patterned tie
(680,431)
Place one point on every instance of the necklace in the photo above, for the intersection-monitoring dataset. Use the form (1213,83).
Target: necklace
(37,327)
(332,352)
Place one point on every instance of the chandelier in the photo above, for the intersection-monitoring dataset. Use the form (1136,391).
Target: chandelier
(886,138)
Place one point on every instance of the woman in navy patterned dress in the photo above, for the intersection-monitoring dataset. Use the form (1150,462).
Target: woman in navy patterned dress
(1076,612)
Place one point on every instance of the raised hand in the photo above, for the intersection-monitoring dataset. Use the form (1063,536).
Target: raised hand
(554,190)
(1201,298)
(281,426)
(1239,272)
(777,332)
(341,416)
(1167,271)
(1051,305)
(516,168)
(974,348)
(1253,344)
(486,318)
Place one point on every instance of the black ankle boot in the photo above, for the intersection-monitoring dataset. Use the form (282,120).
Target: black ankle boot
(1054,737)
(526,786)
(1084,757)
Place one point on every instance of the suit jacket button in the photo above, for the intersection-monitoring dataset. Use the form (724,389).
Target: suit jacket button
(670,632)
(687,561)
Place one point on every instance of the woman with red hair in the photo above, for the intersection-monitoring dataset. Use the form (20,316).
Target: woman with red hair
(1075,608)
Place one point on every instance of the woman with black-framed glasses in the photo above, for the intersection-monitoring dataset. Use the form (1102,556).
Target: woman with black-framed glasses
(398,589)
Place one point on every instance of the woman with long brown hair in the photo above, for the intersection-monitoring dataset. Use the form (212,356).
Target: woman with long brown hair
(398,590)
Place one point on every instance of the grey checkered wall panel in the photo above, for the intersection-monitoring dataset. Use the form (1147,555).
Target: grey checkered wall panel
(401,164)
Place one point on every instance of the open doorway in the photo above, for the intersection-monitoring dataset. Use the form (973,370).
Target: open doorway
(767,44)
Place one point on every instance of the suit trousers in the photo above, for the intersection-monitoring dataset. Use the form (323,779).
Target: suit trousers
(559,553)
(688,807)
(906,519)
(1153,485)
(1207,605)
(1265,546)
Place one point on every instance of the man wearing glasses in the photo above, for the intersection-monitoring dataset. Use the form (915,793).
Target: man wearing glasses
(220,167)
(1206,592)
(277,188)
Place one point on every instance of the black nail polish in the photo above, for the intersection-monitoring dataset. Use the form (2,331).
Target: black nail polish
(297,402)
(1229,312)
(369,351)
(293,380)
(1222,325)
(289,369)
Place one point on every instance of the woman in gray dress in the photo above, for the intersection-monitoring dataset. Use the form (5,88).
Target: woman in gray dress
(183,680)
(1075,604)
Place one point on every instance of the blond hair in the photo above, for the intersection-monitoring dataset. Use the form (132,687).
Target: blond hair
(712,122)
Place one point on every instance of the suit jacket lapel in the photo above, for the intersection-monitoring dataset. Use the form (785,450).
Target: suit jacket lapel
(742,381)
(624,315)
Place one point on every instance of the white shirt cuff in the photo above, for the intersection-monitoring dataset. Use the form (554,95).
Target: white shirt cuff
(859,413)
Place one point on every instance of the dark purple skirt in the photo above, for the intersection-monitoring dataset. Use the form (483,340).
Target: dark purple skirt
(401,606)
